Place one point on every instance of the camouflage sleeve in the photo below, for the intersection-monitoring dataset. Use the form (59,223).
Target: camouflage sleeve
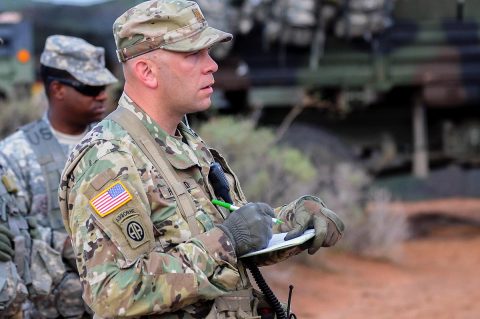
(128,267)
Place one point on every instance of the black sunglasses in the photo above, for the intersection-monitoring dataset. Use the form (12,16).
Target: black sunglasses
(88,90)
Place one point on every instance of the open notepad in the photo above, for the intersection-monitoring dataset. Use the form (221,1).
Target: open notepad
(278,242)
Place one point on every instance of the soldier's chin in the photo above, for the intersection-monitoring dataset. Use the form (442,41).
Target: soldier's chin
(204,104)
(98,116)
(99,111)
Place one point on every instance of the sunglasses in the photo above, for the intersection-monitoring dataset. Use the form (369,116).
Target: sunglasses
(88,90)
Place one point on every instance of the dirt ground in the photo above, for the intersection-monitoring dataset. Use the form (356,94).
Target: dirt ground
(435,277)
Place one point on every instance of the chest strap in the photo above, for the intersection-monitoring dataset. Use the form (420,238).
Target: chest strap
(52,159)
(150,148)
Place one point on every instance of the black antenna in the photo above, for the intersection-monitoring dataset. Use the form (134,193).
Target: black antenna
(290,291)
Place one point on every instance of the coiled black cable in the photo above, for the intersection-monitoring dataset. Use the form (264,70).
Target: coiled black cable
(269,295)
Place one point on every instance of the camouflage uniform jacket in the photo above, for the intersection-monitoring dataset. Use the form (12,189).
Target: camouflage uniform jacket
(16,152)
(158,267)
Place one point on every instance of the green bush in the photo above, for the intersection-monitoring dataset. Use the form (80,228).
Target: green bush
(268,173)
(278,173)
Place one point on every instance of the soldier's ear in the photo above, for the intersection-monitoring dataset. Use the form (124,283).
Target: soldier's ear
(144,70)
(57,90)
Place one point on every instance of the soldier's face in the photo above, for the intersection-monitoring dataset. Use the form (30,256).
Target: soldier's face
(185,80)
(84,109)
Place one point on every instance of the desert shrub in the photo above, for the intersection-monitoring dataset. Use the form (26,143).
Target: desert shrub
(278,174)
(375,232)
(385,229)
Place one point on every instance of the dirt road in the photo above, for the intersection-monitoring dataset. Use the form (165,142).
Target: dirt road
(436,277)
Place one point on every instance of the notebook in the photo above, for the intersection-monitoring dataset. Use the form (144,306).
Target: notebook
(278,242)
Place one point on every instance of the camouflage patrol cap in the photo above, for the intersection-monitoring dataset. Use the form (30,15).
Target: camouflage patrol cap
(173,25)
(83,61)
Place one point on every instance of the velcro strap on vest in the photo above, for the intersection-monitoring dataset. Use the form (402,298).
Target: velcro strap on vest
(235,301)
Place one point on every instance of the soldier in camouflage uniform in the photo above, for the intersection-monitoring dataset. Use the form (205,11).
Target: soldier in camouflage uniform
(29,267)
(136,194)
(75,78)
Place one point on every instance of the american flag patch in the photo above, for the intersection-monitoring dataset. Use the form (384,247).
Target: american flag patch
(110,199)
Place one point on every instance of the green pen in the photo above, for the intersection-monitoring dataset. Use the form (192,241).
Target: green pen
(233,208)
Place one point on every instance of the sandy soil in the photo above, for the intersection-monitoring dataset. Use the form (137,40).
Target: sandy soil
(436,277)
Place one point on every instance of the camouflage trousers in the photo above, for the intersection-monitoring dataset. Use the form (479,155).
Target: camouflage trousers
(55,291)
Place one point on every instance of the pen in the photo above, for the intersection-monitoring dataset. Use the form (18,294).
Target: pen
(233,208)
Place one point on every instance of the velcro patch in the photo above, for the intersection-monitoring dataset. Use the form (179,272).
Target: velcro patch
(132,227)
(112,198)
(166,192)
(198,15)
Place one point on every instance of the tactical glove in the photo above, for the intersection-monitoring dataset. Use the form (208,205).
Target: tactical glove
(6,244)
(311,212)
(33,227)
(249,227)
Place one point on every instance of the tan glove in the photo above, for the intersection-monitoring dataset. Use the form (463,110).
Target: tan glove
(33,227)
(311,212)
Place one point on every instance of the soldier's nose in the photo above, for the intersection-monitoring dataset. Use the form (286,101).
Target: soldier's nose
(102,96)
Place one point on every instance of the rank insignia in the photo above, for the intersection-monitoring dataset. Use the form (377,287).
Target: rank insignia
(110,199)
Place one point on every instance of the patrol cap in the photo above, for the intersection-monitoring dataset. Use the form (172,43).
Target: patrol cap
(83,61)
(173,25)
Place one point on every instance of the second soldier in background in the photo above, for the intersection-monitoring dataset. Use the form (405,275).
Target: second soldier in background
(74,74)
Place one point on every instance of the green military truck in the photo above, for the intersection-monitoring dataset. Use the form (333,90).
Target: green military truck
(16,57)
(397,80)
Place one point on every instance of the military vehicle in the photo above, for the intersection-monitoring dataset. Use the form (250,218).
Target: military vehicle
(16,56)
(395,79)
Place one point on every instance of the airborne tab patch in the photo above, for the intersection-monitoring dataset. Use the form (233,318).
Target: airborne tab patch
(110,199)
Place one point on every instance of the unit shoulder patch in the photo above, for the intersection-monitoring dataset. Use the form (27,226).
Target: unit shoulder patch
(110,199)
(132,227)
